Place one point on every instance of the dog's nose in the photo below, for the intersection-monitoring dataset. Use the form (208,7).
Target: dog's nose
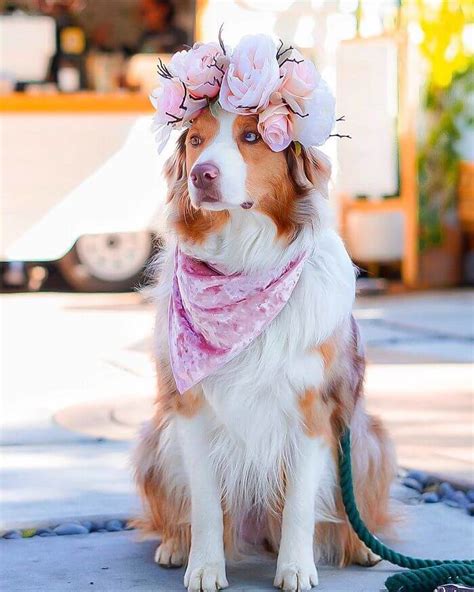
(203,175)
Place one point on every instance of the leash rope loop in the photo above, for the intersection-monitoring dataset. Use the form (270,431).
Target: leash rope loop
(424,575)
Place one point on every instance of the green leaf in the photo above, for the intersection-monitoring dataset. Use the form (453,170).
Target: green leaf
(213,108)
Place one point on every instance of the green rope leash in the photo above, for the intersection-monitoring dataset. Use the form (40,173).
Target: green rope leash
(424,575)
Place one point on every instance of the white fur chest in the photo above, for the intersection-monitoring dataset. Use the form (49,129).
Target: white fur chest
(254,398)
(280,363)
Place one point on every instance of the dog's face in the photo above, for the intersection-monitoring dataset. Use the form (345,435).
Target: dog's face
(228,163)
(221,163)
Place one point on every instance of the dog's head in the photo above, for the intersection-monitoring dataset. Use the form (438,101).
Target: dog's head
(222,164)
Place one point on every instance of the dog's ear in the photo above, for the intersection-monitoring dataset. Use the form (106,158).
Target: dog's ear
(175,167)
(318,169)
(310,169)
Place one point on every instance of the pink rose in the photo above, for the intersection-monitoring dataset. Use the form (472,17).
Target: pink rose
(274,125)
(201,69)
(167,100)
(299,78)
(315,127)
(251,77)
(174,108)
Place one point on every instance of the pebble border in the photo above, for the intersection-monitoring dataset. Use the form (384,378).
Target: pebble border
(429,489)
(432,491)
(71,527)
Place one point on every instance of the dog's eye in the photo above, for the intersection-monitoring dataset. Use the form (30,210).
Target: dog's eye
(251,137)
(195,140)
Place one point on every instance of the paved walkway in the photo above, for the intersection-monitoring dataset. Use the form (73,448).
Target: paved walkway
(116,562)
(420,378)
(77,380)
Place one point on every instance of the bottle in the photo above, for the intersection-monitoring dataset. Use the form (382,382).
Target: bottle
(68,68)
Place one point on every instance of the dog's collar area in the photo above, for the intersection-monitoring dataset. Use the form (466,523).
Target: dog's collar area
(214,316)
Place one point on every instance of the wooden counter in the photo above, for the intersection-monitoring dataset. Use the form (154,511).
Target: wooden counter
(86,102)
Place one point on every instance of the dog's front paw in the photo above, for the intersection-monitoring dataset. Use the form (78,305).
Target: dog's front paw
(296,576)
(207,577)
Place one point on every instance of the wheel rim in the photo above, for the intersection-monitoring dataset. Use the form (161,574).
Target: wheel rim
(114,257)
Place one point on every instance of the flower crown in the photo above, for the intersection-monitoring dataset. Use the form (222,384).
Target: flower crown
(293,102)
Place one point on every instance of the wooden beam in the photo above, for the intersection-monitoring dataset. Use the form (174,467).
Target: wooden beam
(86,102)
(408,161)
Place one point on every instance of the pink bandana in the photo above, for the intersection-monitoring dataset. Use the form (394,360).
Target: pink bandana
(213,317)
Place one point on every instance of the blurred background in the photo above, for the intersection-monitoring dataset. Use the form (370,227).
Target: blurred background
(81,196)
(74,79)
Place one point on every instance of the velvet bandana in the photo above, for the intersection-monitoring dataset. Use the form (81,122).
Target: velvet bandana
(213,316)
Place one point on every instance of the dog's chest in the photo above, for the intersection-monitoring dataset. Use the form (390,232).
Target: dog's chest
(254,401)
(256,395)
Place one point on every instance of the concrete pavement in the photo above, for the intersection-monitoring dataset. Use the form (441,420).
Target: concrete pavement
(420,377)
(50,484)
(77,380)
(60,351)
(116,562)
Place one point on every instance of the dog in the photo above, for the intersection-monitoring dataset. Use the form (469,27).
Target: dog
(247,457)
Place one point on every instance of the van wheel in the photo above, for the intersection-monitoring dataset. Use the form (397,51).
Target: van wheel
(107,262)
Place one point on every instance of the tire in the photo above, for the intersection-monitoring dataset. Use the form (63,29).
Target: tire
(108,262)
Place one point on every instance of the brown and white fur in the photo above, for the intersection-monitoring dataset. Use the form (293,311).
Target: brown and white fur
(253,448)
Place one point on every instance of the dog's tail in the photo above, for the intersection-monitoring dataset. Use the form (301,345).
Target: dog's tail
(374,468)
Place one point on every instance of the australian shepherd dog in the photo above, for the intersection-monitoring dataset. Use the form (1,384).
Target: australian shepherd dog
(247,457)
